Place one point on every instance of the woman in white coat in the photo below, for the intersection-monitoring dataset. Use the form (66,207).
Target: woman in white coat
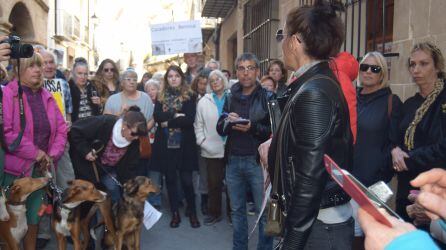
(209,109)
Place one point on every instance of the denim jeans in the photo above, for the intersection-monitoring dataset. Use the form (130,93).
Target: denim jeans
(112,187)
(241,172)
(155,176)
(337,236)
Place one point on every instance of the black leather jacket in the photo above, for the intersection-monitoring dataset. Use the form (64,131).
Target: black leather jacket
(258,115)
(314,122)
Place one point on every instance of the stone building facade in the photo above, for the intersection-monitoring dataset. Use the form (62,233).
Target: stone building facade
(25,18)
(390,26)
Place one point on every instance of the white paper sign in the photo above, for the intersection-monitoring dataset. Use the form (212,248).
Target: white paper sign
(151,215)
(175,38)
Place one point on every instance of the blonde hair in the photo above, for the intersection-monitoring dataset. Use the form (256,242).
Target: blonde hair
(35,59)
(438,59)
(381,61)
(435,53)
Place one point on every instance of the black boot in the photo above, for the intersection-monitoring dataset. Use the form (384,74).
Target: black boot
(176,220)
(204,204)
(194,222)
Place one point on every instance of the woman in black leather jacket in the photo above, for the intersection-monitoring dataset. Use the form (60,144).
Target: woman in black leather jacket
(314,122)
(421,132)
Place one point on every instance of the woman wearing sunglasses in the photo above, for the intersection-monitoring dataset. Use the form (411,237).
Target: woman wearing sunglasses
(314,122)
(107,79)
(376,107)
(120,153)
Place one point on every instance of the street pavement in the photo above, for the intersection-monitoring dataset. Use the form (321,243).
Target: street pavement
(162,237)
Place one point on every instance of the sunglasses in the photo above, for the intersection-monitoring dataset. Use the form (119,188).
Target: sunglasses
(137,134)
(374,68)
(279,35)
(109,70)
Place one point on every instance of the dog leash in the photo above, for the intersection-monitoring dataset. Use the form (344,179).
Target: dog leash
(111,176)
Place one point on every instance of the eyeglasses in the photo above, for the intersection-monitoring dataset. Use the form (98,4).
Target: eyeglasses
(109,70)
(374,68)
(131,79)
(215,80)
(136,134)
(279,35)
(244,69)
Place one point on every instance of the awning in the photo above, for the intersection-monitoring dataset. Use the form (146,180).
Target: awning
(217,8)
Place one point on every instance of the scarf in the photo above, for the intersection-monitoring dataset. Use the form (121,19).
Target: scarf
(117,137)
(419,114)
(172,101)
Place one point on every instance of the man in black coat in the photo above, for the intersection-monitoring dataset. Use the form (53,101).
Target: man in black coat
(245,120)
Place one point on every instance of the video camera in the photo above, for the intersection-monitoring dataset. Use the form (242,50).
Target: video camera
(18,50)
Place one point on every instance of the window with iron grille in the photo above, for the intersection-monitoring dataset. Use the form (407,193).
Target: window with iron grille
(260,22)
(368,26)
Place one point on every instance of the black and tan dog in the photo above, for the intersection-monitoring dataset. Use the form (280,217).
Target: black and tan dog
(66,216)
(129,212)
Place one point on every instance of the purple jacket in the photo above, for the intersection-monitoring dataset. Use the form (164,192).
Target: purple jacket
(22,158)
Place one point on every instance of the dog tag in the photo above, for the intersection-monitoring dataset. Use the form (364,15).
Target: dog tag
(151,215)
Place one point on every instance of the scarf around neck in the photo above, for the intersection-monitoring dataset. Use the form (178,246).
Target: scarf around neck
(117,137)
(172,100)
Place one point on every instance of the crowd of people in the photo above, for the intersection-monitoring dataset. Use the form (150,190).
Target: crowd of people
(197,122)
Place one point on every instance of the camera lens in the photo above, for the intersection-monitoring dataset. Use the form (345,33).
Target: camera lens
(26,50)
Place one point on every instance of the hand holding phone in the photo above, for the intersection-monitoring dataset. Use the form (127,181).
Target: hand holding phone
(366,200)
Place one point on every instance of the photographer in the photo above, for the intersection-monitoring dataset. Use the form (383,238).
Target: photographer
(5,49)
(43,133)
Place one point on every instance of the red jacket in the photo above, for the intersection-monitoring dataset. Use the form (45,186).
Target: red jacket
(345,67)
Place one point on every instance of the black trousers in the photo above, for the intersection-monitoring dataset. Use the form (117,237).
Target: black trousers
(172,171)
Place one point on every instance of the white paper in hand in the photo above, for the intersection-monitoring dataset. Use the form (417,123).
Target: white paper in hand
(151,215)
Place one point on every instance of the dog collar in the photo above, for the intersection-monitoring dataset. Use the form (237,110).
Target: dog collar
(13,203)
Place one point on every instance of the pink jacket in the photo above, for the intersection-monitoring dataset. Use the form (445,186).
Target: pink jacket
(22,158)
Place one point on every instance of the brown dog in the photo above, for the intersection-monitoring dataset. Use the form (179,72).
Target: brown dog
(129,213)
(13,230)
(66,217)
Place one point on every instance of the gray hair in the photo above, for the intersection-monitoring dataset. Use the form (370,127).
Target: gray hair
(50,53)
(79,62)
(247,57)
(220,75)
(213,61)
(153,82)
(127,72)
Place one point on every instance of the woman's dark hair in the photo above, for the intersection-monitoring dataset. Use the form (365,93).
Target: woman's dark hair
(134,118)
(281,66)
(185,91)
(319,28)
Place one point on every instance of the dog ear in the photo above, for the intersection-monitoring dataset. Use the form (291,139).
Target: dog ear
(130,187)
(70,193)
(15,189)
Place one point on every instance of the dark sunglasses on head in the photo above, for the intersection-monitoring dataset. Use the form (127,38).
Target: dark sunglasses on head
(109,70)
(374,68)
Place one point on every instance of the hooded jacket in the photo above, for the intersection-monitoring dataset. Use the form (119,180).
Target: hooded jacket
(25,154)
(345,68)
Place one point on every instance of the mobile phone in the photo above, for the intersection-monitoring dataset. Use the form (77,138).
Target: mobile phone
(366,199)
(240,121)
